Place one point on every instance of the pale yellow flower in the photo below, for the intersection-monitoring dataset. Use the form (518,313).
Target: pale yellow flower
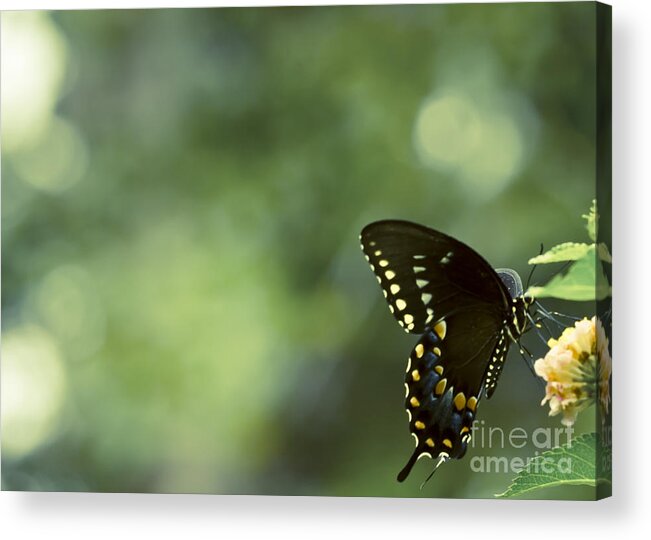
(605,368)
(577,369)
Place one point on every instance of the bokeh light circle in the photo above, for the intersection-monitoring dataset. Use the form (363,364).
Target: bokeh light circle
(33,69)
(33,389)
(479,146)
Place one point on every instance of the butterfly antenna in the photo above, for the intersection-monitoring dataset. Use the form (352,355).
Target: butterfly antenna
(561,269)
(534,267)
(442,459)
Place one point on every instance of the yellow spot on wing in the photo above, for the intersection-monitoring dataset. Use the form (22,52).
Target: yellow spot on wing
(472,403)
(441,329)
(447,442)
(409,318)
(419,425)
(390,274)
(439,370)
(415,375)
(430,443)
(420,350)
(460,401)
(401,304)
(464,429)
(395,288)
(383,263)
(437,352)
(440,387)
(414,402)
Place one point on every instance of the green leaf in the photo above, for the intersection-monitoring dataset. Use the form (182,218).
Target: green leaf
(565,465)
(579,283)
(591,218)
(604,254)
(569,251)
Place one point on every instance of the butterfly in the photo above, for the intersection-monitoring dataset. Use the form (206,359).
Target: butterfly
(466,314)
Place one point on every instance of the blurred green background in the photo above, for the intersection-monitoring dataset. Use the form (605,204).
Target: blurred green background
(185,307)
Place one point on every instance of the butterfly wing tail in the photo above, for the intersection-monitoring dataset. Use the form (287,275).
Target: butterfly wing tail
(404,473)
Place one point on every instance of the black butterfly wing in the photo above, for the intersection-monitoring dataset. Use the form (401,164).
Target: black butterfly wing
(425,274)
(451,368)
(441,288)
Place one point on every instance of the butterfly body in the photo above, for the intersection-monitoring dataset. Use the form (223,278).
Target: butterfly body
(466,317)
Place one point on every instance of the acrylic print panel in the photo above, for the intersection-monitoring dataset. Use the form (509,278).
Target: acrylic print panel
(185,305)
